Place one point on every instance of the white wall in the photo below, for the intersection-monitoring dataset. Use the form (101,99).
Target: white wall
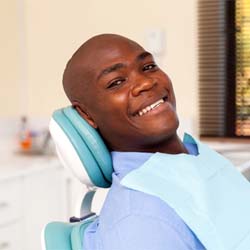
(9,58)
(46,33)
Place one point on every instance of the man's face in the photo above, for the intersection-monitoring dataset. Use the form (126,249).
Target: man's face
(130,99)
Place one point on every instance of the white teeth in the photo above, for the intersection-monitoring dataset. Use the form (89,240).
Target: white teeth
(150,107)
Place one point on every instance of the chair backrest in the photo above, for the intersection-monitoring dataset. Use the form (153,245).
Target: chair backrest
(81,148)
(65,236)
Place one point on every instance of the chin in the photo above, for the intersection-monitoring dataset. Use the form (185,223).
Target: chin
(158,133)
(169,125)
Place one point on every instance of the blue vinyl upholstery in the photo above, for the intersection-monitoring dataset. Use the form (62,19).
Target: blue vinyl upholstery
(65,236)
(95,159)
(88,145)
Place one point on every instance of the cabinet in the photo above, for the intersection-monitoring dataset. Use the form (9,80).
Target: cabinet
(10,236)
(43,197)
(29,199)
(10,214)
(33,194)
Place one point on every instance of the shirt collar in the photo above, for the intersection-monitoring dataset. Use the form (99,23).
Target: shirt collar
(124,162)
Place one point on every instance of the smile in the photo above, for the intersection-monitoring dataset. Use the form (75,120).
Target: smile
(150,107)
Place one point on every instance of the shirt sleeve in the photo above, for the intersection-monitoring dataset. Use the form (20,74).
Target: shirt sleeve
(137,232)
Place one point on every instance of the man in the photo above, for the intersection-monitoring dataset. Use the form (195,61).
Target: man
(116,86)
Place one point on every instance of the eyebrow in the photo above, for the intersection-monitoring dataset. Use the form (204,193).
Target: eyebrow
(118,66)
(111,69)
(143,55)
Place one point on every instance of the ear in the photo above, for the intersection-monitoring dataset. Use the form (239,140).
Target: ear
(82,111)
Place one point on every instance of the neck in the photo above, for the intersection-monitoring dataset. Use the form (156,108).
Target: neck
(170,145)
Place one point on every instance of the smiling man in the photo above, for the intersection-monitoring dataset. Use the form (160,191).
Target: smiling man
(117,87)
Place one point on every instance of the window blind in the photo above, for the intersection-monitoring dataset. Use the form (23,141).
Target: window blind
(242,21)
(212,60)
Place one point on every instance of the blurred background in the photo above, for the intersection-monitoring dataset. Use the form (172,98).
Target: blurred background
(204,46)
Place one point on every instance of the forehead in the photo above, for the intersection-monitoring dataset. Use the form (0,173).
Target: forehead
(123,51)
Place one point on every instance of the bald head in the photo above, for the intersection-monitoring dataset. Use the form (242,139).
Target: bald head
(81,69)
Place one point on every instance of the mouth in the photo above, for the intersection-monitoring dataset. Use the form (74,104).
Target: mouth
(151,107)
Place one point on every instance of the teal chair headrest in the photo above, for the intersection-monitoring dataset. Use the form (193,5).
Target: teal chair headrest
(81,148)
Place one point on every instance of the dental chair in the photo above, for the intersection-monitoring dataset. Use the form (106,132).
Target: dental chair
(81,149)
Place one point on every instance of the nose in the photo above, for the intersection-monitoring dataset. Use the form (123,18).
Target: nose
(142,84)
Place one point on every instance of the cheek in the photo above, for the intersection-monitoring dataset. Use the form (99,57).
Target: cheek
(116,103)
(120,96)
(173,100)
(110,109)
(169,82)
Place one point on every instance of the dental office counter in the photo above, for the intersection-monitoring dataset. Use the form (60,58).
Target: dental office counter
(33,191)
(236,150)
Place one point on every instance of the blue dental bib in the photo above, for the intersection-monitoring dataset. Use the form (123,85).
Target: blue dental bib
(206,191)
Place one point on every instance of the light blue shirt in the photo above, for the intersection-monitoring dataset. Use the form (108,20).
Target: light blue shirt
(132,220)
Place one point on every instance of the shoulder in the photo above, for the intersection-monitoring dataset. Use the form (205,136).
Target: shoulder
(122,202)
(142,232)
(131,220)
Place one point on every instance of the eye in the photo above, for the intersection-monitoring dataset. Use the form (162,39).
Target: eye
(116,83)
(151,67)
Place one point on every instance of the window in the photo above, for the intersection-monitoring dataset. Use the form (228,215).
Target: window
(242,67)
(224,67)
